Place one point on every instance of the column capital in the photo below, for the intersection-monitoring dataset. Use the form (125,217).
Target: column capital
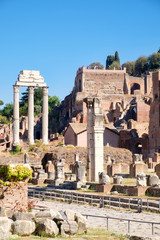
(31,90)
(16,88)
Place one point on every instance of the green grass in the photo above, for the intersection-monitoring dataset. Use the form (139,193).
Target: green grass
(92,234)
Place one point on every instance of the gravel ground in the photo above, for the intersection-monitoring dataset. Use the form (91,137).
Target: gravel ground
(116,226)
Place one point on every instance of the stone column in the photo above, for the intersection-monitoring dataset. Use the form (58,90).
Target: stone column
(16,116)
(31,115)
(90,140)
(94,138)
(45,116)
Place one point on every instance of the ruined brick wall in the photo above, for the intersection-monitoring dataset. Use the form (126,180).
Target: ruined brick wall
(15,197)
(154,123)
(120,155)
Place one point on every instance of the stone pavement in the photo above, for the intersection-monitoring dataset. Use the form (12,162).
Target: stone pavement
(116,226)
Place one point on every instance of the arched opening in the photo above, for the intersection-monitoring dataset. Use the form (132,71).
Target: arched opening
(138,148)
(134,87)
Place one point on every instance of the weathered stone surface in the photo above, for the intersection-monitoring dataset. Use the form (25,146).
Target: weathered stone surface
(4,235)
(104,178)
(23,227)
(141,179)
(29,216)
(118,179)
(6,212)
(69,228)
(47,228)
(70,215)
(52,214)
(153,180)
(5,227)
(82,223)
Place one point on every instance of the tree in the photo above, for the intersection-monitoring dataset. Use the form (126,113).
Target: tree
(117,57)
(110,59)
(1,102)
(130,67)
(115,64)
(52,102)
(158,50)
(141,65)
(8,110)
(154,61)
(97,65)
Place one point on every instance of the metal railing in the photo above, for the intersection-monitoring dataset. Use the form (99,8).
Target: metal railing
(123,219)
(95,200)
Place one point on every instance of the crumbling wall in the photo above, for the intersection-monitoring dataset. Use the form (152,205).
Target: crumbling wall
(120,155)
(15,196)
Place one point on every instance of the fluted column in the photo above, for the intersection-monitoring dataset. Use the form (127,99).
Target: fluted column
(16,115)
(31,115)
(45,116)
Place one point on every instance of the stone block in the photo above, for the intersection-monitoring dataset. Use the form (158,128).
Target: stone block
(104,178)
(137,191)
(153,180)
(104,188)
(82,223)
(23,227)
(29,216)
(141,179)
(118,179)
(70,215)
(47,228)
(137,168)
(69,228)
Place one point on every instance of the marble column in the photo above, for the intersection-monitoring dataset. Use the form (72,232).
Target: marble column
(45,116)
(16,116)
(30,115)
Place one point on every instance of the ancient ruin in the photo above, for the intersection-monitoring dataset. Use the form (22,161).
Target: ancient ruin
(94,138)
(30,79)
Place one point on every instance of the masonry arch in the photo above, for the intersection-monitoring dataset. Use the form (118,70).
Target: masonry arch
(135,86)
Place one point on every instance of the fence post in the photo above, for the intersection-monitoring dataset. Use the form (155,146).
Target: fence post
(119,202)
(107,224)
(109,202)
(128,226)
(129,203)
(152,228)
(147,204)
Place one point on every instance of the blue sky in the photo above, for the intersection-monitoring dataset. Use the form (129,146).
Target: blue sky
(58,36)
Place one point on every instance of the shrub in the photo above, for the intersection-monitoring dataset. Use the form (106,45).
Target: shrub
(17,173)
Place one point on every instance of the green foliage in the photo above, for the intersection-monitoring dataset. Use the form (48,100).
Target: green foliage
(130,67)
(8,110)
(113,61)
(16,149)
(96,65)
(38,143)
(52,102)
(1,102)
(31,148)
(17,173)
(115,64)
(38,102)
(110,60)
(141,65)
(154,61)
(117,57)
(23,110)
(3,120)
(37,110)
